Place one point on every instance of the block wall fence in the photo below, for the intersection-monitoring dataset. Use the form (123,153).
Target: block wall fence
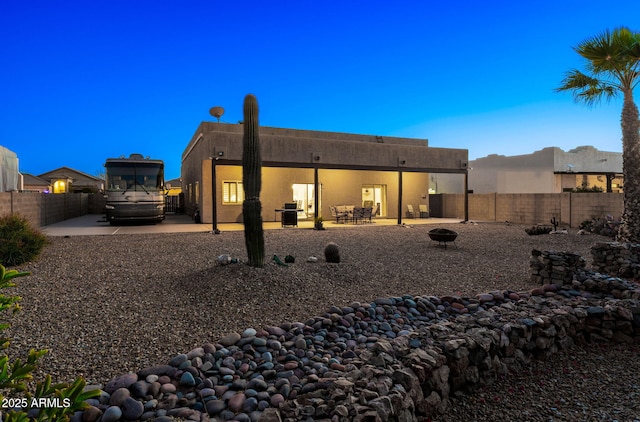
(42,209)
(570,209)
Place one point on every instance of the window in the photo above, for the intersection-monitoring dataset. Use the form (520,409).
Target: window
(232,192)
(60,186)
(134,177)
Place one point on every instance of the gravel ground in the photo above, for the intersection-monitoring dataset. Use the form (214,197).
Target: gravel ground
(591,383)
(107,305)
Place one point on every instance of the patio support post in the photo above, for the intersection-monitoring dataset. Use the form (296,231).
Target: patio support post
(610,178)
(466,195)
(400,197)
(316,195)
(214,207)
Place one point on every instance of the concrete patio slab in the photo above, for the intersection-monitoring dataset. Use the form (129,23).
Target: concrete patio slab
(96,225)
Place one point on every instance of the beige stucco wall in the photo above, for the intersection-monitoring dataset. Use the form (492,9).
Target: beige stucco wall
(446,183)
(327,149)
(549,170)
(338,187)
(587,159)
(531,173)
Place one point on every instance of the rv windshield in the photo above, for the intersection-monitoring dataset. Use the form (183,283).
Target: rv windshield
(134,176)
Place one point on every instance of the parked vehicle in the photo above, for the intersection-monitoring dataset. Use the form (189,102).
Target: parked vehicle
(134,189)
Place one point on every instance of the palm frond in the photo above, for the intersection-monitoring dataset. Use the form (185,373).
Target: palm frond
(612,66)
(633,53)
(602,51)
(587,89)
(576,80)
(612,54)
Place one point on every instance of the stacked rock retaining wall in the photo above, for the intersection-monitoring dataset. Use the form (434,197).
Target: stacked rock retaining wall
(612,258)
(550,267)
(619,259)
(395,359)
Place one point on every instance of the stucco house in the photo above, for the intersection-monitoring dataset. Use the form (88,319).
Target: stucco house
(313,169)
(173,187)
(550,170)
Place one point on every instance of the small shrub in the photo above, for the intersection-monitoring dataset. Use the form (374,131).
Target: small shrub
(537,230)
(16,376)
(604,226)
(19,241)
(332,253)
(587,189)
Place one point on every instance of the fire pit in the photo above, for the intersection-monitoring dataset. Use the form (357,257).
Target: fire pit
(443,236)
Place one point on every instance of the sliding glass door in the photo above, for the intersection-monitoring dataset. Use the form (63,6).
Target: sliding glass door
(375,196)
(304,196)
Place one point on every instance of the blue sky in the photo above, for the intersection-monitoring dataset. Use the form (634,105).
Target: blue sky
(86,80)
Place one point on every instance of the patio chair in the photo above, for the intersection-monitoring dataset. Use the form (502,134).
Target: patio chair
(358,214)
(410,212)
(348,209)
(424,211)
(366,214)
(338,215)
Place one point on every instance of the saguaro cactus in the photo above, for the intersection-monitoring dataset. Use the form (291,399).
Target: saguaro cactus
(252,182)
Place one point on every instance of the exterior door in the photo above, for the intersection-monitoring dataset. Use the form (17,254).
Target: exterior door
(304,196)
(376,197)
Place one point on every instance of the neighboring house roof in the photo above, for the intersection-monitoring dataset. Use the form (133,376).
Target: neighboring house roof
(545,171)
(78,177)
(583,159)
(175,183)
(31,180)
(587,159)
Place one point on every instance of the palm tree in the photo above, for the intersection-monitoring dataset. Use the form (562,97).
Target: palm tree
(613,68)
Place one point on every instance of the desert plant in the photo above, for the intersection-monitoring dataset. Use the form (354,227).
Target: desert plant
(252,181)
(537,230)
(19,241)
(604,226)
(585,225)
(332,253)
(587,189)
(47,402)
